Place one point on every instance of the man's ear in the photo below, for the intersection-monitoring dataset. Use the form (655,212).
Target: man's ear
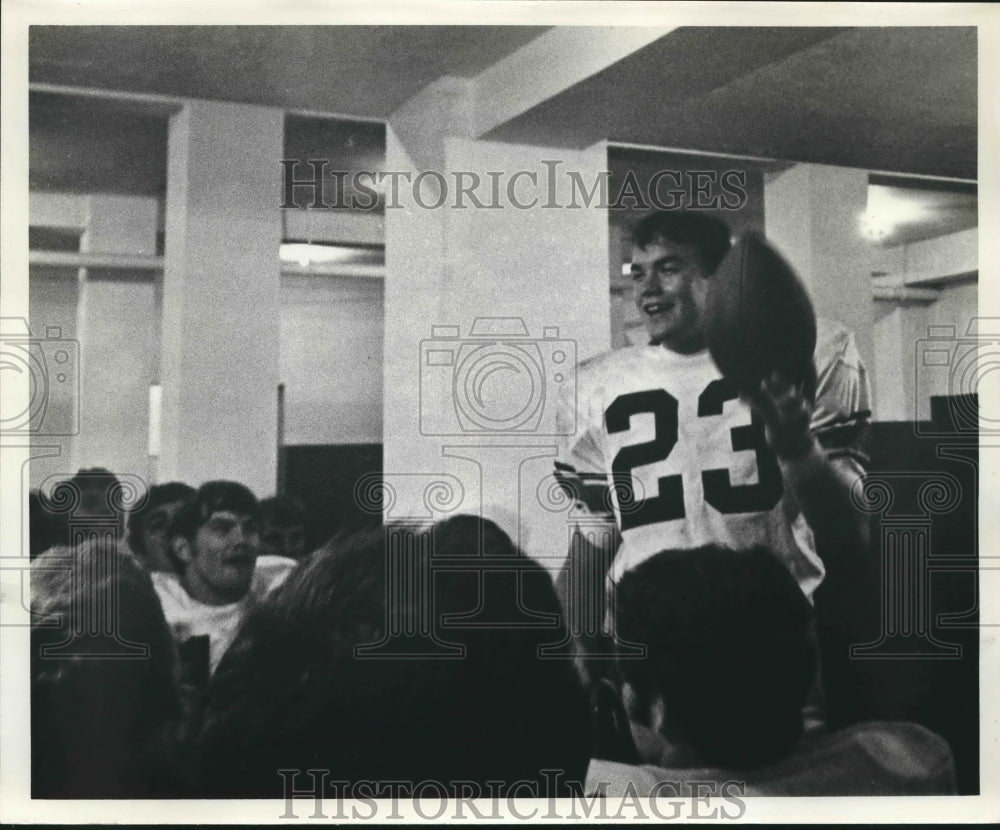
(648,709)
(182,549)
(647,714)
(699,287)
(658,714)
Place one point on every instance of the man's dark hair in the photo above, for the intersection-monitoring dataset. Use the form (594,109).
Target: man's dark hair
(210,498)
(95,493)
(282,511)
(100,727)
(729,647)
(97,482)
(293,693)
(159,494)
(710,236)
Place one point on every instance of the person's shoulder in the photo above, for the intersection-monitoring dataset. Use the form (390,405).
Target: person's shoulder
(873,758)
(270,572)
(914,756)
(166,581)
(876,758)
(614,779)
(598,363)
(843,395)
(604,367)
(835,344)
(268,564)
(173,598)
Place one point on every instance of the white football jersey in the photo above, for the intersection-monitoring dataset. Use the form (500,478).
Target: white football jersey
(220,623)
(663,441)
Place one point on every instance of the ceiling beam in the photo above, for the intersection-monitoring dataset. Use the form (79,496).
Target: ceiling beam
(74,259)
(57,210)
(943,258)
(934,263)
(336,227)
(904,295)
(158,102)
(926,278)
(549,65)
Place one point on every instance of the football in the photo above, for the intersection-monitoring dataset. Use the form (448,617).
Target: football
(759,318)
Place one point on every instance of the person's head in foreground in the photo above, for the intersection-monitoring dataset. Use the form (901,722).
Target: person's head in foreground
(92,499)
(730,654)
(98,492)
(674,254)
(105,712)
(294,692)
(214,539)
(149,526)
(282,527)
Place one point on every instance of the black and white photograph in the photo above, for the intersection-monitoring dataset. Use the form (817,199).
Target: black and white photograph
(499,411)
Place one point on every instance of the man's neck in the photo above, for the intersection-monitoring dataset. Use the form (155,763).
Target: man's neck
(684,347)
(690,340)
(200,592)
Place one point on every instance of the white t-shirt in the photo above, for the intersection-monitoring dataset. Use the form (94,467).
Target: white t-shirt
(220,623)
(670,431)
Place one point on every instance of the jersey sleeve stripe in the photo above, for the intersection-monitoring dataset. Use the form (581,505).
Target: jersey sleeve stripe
(591,489)
(847,440)
(853,418)
(843,435)
(858,455)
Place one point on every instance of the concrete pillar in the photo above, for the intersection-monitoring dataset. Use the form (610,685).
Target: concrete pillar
(220,347)
(53,306)
(812,214)
(118,327)
(119,334)
(543,265)
(891,403)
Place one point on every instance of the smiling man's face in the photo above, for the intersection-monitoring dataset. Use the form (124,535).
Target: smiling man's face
(669,288)
(221,558)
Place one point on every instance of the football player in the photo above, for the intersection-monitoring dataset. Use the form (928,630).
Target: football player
(220,573)
(678,457)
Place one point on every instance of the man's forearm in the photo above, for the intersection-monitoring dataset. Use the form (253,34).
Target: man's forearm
(821,486)
(823,490)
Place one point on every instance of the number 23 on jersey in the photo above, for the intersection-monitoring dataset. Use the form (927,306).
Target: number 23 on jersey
(667,502)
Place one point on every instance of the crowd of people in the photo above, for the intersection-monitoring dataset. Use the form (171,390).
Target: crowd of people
(442,652)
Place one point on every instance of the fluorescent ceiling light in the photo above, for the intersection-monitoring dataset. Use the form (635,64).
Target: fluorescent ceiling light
(888,208)
(306,254)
